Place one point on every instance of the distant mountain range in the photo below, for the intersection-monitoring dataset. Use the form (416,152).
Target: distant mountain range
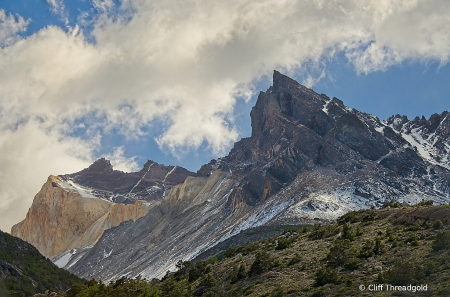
(309,159)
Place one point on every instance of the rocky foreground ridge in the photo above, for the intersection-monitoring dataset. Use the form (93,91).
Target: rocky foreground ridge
(310,158)
(26,272)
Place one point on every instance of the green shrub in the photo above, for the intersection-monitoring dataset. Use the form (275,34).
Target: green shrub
(392,238)
(230,252)
(325,276)
(438,225)
(352,263)
(429,267)
(370,216)
(238,273)
(342,254)
(348,232)
(389,231)
(294,260)
(208,281)
(442,241)
(367,249)
(403,273)
(283,243)
(248,248)
(197,270)
(359,231)
(278,291)
(122,287)
(379,247)
(413,239)
(351,217)
(425,203)
(262,263)
(416,227)
(391,204)
(248,290)
(320,231)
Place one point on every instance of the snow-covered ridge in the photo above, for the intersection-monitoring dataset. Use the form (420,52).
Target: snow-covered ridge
(433,146)
(84,192)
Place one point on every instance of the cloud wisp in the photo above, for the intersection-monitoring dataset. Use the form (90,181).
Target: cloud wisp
(185,64)
(10,27)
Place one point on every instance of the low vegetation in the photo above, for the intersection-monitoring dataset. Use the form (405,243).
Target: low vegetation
(394,245)
(25,272)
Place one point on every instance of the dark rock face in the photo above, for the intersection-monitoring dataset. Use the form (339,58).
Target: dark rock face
(405,163)
(429,137)
(350,130)
(151,183)
(309,159)
(295,130)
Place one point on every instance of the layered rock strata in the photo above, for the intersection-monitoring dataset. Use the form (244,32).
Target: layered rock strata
(309,159)
(60,219)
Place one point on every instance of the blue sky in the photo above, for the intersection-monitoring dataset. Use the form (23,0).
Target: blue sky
(174,81)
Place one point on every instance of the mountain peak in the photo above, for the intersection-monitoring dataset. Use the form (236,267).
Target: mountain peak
(101,165)
(282,82)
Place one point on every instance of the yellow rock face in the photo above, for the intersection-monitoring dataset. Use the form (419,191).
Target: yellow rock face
(60,219)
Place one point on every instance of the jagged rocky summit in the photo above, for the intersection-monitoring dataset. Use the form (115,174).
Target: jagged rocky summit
(309,158)
(72,211)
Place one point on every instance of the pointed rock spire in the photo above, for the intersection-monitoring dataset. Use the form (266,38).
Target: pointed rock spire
(101,165)
(282,82)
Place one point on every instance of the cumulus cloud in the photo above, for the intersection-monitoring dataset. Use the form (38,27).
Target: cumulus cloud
(186,63)
(404,30)
(120,162)
(29,154)
(10,26)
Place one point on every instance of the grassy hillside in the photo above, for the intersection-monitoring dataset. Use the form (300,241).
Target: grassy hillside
(25,272)
(393,245)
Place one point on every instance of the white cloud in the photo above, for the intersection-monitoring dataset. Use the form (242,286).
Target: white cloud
(310,81)
(56,6)
(183,62)
(29,154)
(103,5)
(10,26)
(405,30)
(120,162)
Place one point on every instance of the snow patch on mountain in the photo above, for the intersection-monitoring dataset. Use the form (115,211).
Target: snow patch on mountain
(69,258)
(84,192)
(326,205)
(423,146)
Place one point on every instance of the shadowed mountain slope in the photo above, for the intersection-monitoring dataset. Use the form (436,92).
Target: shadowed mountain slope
(309,159)
(24,269)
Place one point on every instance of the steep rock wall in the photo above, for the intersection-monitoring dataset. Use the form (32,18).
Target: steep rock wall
(60,220)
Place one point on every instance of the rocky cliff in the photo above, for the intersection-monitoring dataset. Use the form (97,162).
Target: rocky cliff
(72,211)
(309,158)
(60,219)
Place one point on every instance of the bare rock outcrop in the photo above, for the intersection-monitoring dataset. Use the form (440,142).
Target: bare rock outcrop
(61,219)
(309,159)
